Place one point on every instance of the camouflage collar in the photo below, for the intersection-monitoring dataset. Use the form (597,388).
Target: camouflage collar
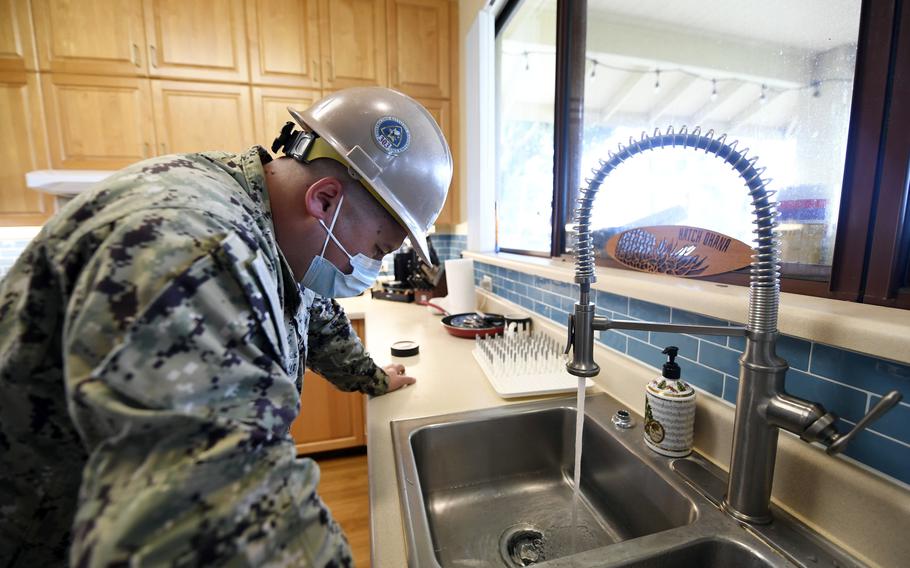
(247,170)
(251,163)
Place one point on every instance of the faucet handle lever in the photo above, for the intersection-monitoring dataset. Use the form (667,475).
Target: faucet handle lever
(884,405)
(571,329)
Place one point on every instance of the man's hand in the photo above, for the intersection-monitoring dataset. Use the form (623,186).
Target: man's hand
(397,378)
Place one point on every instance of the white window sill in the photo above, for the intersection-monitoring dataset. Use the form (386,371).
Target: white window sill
(874,330)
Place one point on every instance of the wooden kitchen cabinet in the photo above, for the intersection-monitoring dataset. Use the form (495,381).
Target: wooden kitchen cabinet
(22,149)
(284,42)
(195,117)
(100,37)
(353,43)
(121,80)
(270,109)
(16,46)
(202,40)
(442,112)
(97,123)
(329,419)
(419,60)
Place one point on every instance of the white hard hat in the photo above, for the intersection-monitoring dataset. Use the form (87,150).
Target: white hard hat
(393,145)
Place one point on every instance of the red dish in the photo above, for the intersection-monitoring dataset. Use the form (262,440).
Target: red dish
(470,325)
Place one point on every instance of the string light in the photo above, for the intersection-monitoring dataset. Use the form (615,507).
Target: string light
(813,86)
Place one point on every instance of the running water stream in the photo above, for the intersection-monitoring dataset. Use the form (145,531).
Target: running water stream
(579,429)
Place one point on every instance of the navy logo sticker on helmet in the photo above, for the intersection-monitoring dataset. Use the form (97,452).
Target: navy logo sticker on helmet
(392,135)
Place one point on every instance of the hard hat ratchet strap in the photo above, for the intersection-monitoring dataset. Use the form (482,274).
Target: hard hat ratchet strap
(306,146)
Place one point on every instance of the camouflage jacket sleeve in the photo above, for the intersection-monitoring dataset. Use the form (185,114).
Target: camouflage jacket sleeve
(184,408)
(335,352)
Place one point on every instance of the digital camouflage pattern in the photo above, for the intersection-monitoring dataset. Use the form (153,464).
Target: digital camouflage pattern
(151,344)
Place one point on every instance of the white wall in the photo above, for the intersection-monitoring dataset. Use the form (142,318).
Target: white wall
(477,119)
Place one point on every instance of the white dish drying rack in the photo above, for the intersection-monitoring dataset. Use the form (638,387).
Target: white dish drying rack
(524,364)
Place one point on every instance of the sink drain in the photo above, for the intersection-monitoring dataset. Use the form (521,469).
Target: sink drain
(522,545)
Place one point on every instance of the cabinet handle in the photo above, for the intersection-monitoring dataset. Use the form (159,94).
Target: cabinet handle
(146,150)
(154,58)
(163,148)
(315,70)
(136,55)
(331,69)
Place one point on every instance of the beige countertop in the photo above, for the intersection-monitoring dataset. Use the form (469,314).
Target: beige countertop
(868,517)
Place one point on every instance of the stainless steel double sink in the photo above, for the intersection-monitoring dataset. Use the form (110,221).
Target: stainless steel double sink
(494,488)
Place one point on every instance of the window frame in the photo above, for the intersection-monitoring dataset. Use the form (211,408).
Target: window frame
(872,240)
(888,275)
(557,238)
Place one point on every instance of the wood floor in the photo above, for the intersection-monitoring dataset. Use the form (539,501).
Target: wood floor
(344,487)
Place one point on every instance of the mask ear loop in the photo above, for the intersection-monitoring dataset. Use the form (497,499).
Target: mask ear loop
(330,230)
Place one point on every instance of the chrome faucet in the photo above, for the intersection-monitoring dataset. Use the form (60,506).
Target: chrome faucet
(762,405)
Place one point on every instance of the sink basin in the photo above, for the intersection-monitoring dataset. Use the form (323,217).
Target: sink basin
(495,488)
(704,554)
(513,472)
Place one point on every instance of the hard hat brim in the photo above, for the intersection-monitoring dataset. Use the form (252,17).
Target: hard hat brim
(419,242)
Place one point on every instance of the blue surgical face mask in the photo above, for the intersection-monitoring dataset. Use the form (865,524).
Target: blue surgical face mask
(328,281)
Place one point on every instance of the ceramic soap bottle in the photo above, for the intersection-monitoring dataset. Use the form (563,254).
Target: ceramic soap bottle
(670,411)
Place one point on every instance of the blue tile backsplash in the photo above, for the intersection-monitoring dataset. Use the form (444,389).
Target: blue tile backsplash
(449,246)
(845,382)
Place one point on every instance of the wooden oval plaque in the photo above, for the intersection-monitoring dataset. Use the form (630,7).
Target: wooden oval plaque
(678,250)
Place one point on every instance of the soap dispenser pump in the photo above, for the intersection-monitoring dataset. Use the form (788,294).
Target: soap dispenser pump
(671,369)
(670,410)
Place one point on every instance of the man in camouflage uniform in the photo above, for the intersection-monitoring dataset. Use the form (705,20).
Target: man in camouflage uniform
(152,338)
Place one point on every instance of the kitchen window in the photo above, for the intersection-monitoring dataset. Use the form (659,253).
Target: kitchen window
(526,81)
(817,90)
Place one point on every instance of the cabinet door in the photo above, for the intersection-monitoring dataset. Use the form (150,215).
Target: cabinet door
(103,37)
(196,117)
(270,109)
(419,60)
(284,42)
(329,419)
(353,43)
(203,39)
(16,51)
(97,123)
(441,111)
(22,149)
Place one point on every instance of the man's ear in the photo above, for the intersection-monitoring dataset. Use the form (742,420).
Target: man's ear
(323,195)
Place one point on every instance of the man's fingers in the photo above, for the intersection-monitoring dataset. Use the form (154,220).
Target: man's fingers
(397,378)
(398,381)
